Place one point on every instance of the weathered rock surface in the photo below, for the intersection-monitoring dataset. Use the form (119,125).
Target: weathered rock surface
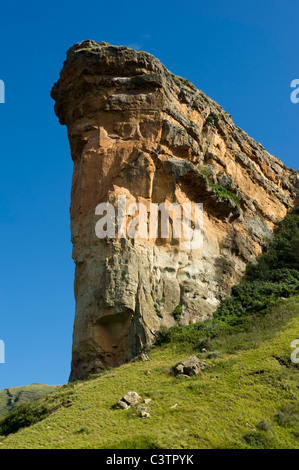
(137,130)
(192,366)
(122,405)
(129,399)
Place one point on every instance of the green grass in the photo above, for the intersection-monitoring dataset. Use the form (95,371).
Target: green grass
(251,380)
(275,275)
(219,190)
(249,311)
(224,193)
(248,398)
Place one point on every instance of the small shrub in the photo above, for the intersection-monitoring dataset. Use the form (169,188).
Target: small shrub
(213,355)
(183,80)
(22,417)
(158,311)
(219,190)
(258,440)
(163,336)
(211,120)
(83,431)
(288,417)
(146,348)
(204,171)
(224,193)
(204,343)
(264,425)
(177,312)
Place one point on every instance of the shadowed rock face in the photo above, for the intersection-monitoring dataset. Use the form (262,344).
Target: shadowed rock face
(137,130)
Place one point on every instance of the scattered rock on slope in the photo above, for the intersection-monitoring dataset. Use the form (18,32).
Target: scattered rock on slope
(129,399)
(192,366)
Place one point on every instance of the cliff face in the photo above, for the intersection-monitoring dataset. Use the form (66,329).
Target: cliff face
(138,131)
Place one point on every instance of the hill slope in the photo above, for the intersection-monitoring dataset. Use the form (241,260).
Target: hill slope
(12,397)
(248,398)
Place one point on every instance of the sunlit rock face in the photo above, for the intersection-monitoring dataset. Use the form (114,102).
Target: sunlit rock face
(136,130)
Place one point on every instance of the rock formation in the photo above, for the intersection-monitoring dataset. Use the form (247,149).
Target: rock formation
(135,129)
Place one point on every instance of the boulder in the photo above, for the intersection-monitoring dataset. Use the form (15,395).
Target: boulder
(128,400)
(132,398)
(122,405)
(192,366)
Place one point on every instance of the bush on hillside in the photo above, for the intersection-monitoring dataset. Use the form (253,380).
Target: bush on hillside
(22,417)
(273,277)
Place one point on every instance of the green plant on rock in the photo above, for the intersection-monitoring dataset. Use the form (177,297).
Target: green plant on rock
(219,190)
(211,120)
(204,171)
(177,312)
(158,311)
(245,313)
(184,80)
(224,193)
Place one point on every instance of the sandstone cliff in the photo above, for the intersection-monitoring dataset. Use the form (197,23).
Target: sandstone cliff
(137,130)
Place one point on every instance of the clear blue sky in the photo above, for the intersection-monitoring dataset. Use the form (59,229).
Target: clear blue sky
(242,54)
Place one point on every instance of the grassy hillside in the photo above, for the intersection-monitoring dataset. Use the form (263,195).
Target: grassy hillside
(248,398)
(12,397)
